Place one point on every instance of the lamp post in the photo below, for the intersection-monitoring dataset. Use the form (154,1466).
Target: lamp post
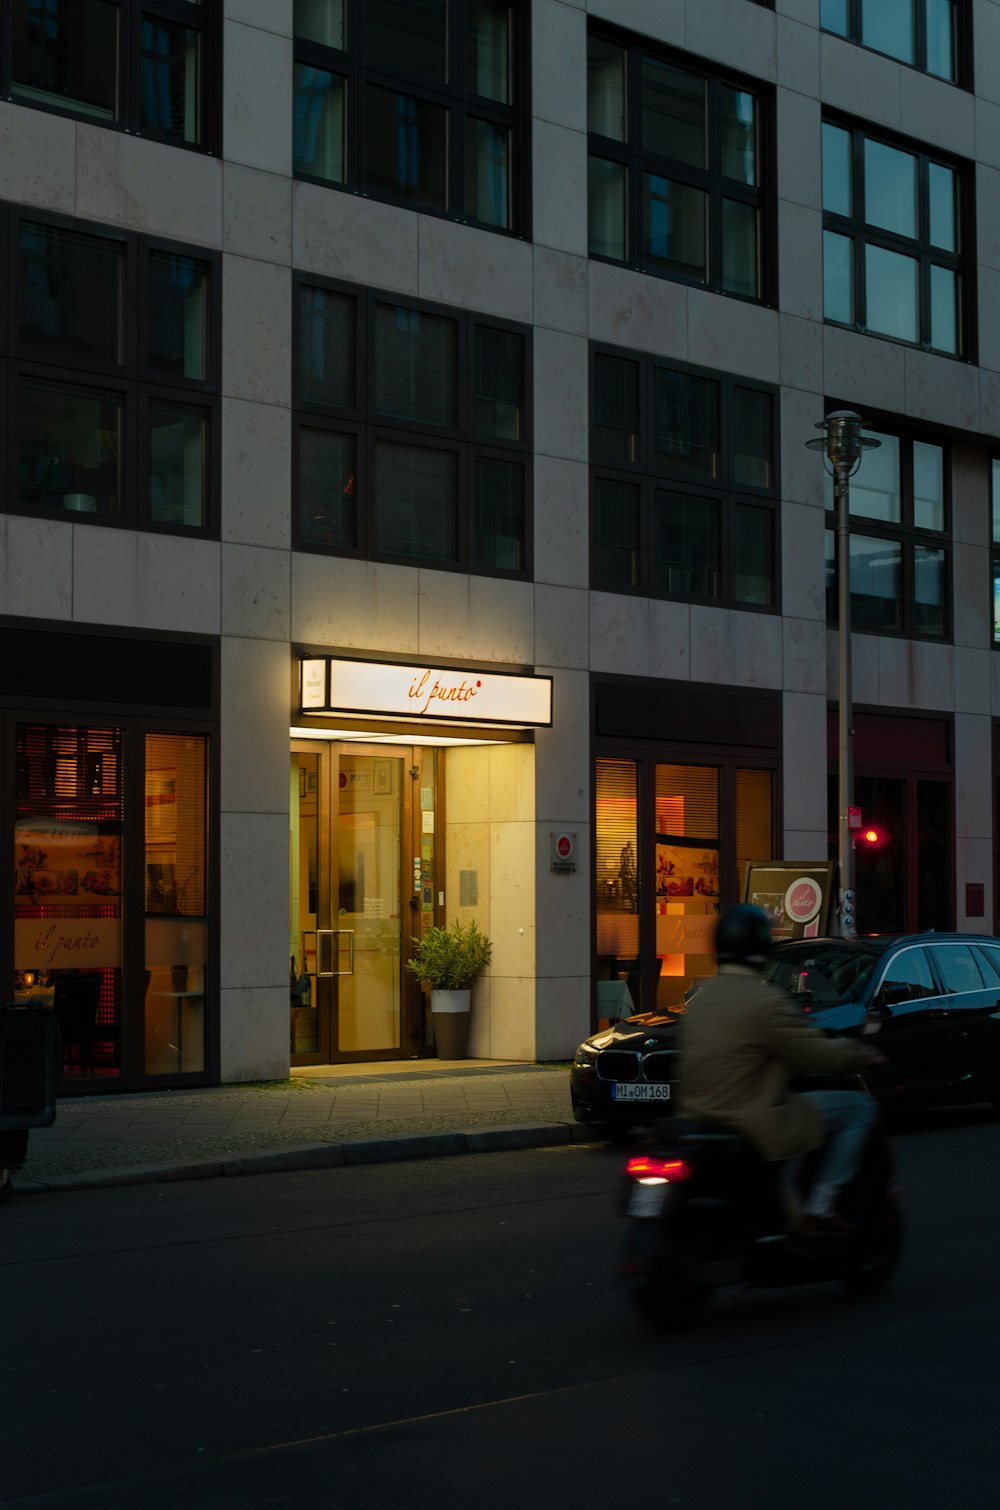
(843,446)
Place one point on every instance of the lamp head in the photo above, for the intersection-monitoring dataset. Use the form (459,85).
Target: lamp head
(842,440)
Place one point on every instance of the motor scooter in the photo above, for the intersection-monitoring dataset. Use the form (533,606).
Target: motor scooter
(705,1212)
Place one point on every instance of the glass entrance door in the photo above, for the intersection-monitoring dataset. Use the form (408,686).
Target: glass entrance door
(351,858)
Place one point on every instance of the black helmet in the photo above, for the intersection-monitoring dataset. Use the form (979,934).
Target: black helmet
(743,937)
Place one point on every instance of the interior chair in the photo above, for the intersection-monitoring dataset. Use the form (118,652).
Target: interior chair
(75,1003)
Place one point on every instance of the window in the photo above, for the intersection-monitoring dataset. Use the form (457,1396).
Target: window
(677,168)
(995,513)
(413,438)
(112,369)
(923,33)
(900,570)
(910,969)
(684,482)
(146,66)
(893,241)
(958,969)
(415,101)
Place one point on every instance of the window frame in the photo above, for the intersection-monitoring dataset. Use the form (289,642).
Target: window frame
(921,249)
(637,161)
(905,533)
(369,427)
(963,51)
(132,377)
(994,463)
(460,103)
(651,475)
(207,19)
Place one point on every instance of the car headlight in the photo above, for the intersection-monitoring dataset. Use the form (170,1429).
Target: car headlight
(584,1056)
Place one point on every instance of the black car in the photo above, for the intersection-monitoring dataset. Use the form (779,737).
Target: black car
(934,997)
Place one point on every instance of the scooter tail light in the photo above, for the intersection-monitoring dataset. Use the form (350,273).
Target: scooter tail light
(646,1167)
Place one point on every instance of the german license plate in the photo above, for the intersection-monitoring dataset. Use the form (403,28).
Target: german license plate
(628,1092)
(647,1200)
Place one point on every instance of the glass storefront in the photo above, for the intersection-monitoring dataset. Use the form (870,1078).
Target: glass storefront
(672,840)
(111,889)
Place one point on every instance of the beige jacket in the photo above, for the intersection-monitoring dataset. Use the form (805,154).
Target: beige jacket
(741,1039)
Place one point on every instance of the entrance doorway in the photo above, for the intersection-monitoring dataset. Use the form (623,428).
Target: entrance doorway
(362,872)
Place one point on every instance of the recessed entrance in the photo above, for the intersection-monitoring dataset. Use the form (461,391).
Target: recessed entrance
(362,873)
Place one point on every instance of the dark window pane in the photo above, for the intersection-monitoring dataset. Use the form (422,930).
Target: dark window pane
(170,79)
(876,583)
(499,383)
(179,294)
(739,135)
(319,113)
(941,42)
(488,50)
(67,54)
(616,528)
(615,431)
(890,188)
(753,438)
(487,172)
(674,227)
(753,555)
(69,447)
(930,590)
(499,514)
(415,365)
(69,295)
(688,545)
(416,502)
(996,602)
(408,37)
(321,21)
(838,278)
(928,485)
(178,465)
(326,347)
(945,292)
(838,194)
(740,248)
(606,97)
(935,886)
(406,148)
(673,113)
(943,193)
(327,510)
(686,422)
(830,556)
(887,26)
(834,16)
(892,293)
(607,188)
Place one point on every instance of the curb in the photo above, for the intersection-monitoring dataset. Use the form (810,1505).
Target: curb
(397,1149)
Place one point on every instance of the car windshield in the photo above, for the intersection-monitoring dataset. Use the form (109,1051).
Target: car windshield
(830,971)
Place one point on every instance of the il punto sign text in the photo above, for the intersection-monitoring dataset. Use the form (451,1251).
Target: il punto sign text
(380,690)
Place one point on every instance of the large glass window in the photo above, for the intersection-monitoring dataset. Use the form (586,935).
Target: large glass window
(113,374)
(894,259)
(176,902)
(145,66)
(995,536)
(900,556)
(413,441)
(69,885)
(74,893)
(672,839)
(414,101)
(678,167)
(684,482)
(923,33)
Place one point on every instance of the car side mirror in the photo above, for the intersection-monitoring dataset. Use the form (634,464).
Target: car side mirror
(890,995)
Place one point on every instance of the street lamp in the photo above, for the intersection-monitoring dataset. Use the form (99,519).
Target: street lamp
(843,446)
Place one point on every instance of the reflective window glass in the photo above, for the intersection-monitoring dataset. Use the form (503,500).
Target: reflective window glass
(911,969)
(838,278)
(179,292)
(408,37)
(688,545)
(675,226)
(321,21)
(891,293)
(887,26)
(957,967)
(837,176)
(70,452)
(327,488)
(739,135)
(686,421)
(607,204)
(674,122)
(875,487)
(319,114)
(500,516)
(406,146)
(70,293)
(489,50)
(890,188)
(66,55)
(876,582)
(606,89)
(928,485)
(178,465)
(616,534)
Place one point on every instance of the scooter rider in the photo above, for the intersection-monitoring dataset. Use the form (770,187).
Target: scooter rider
(741,1041)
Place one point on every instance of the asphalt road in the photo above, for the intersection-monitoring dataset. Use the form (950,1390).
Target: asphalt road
(449,1333)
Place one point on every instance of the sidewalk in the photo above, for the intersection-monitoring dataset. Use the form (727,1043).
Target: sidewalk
(341,1114)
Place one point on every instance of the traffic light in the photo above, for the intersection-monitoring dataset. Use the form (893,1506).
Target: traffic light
(873,838)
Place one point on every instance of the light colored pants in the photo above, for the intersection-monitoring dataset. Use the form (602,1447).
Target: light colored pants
(848,1117)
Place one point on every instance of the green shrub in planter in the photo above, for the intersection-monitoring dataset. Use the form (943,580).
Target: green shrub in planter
(449,959)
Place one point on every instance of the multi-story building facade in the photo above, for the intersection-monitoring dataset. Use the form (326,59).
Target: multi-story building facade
(407,514)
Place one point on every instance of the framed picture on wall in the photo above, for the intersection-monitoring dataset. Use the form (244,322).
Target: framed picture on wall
(383,778)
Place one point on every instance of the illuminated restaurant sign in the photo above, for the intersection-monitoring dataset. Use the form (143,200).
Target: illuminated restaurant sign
(380,690)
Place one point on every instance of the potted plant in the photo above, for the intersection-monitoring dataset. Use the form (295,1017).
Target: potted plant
(446,961)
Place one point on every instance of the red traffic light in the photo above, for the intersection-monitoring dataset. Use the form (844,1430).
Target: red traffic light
(872,836)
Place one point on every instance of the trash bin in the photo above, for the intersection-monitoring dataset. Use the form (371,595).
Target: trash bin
(29,1068)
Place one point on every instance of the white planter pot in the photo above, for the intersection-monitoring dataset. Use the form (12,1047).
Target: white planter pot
(450,1014)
